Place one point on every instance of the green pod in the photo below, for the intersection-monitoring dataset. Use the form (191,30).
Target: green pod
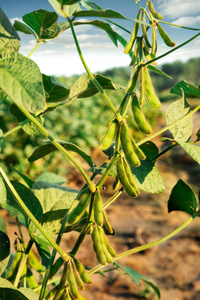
(154,12)
(122,104)
(154,39)
(98,209)
(33,262)
(130,175)
(144,31)
(31,279)
(81,270)
(77,277)
(56,267)
(134,59)
(98,246)
(107,223)
(139,116)
(107,254)
(116,183)
(150,92)
(72,281)
(124,179)
(166,39)
(109,248)
(15,265)
(109,135)
(128,147)
(133,81)
(136,26)
(78,212)
(141,87)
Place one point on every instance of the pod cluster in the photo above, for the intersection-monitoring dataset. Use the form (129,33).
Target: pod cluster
(104,252)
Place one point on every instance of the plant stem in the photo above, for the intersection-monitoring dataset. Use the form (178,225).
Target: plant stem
(32,218)
(149,245)
(13,130)
(163,152)
(91,185)
(113,198)
(172,50)
(148,138)
(34,49)
(92,77)
(22,262)
(179,26)
(4,98)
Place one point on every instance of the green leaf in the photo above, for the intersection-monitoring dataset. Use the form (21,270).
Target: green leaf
(84,86)
(1,134)
(21,80)
(9,39)
(190,90)
(182,198)
(2,225)
(192,150)
(150,149)
(48,148)
(107,13)
(19,26)
(43,250)
(29,293)
(3,193)
(28,198)
(158,71)
(8,291)
(137,276)
(102,25)
(67,2)
(55,91)
(51,178)
(26,179)
(4,251)
(90,5)
(182,131)
(43,23)
(68,9)
(53,196)
(52,220)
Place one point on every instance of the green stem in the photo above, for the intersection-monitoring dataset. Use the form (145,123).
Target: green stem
(174,49)
(34,49)
(179,26)
(147,246)
(113,198)
(91,185)
(95,82)
(163,152)
(32,218)
(4,98)
(13,130)
(148,138)
(22,262)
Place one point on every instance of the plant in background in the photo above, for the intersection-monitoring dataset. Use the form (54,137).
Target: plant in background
(44,206)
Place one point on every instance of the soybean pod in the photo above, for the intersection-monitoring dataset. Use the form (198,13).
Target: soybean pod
(106,223)
(98,209)
(133,81)
(72,282)
(130,175)
(144,30)
(78,212)
(82,272)
(77,277)
(166,39)
(136,26)
(98,246)
(109,135)
(124,179)
(154,12)
(127,146)
(108,246)
(107,254)
(139,116)
(154,38)
(150,92)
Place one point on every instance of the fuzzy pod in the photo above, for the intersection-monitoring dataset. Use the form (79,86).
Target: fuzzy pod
(136,26)
(109,135)
(144,31)
(150,92)
(139,117)
(166,39)
(98,246)
(107,254)
(141,87)
(107,223)
(108,246)
(134,59)
(127,146)
(130,175)
(77,277)
(124,179)
(133,81)
(82,272)
(72,281)
(154,38)
(98,209)
(154,12)
(78,212)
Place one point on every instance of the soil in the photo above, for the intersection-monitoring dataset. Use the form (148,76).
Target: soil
(173,266)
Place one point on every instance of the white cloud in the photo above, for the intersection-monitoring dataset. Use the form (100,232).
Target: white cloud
(188,21)
(178,8)
(17,19)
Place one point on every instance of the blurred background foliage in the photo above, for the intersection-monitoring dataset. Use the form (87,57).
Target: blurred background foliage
(83,121)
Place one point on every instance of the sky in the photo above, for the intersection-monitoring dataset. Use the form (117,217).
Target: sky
(59,56)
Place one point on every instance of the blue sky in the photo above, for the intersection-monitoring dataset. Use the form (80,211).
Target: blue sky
(59,57)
